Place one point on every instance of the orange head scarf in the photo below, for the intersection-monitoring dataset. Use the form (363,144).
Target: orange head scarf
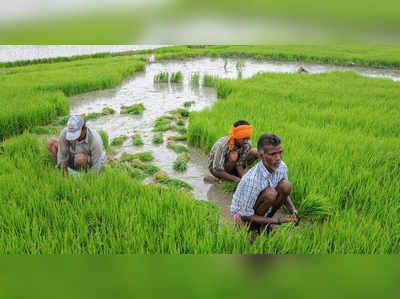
(242,131)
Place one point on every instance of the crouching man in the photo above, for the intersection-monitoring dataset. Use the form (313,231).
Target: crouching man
(78,147)
(264,188)
(231,154)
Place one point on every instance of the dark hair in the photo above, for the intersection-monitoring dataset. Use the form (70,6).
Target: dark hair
(267,139)
(240,122)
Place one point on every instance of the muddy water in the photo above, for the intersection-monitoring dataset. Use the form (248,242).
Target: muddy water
(160,98)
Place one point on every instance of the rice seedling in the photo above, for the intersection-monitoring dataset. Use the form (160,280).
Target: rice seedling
(188,104)
(195,79)
(145,167)
(137,140)
(163,123)
(180,164)
(104,138)
(228,187)
(158,138)
(182,112)
(181,130)
(180,122)
(178,138)
(162,178)
(135,109)
(92,115)
(107,111)
(118,141)
(177,77)
(240,65)
(42,130)
(144,157)
(315,207)
(161,77)
(178,148)
(209,80)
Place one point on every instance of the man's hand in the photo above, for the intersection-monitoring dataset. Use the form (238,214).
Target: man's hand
(285,219)
(295,217)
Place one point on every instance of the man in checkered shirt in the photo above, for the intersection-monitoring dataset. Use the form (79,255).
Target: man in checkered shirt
(264,188)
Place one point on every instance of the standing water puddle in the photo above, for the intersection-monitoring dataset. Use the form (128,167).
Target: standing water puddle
(160,98)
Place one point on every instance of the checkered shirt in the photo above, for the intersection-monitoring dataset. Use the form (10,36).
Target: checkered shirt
(252,184)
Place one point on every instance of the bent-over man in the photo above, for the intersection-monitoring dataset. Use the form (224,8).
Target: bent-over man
(264,188)
(78,147)
(231,154)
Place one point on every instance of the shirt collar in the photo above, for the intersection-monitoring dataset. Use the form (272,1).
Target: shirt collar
(264,171)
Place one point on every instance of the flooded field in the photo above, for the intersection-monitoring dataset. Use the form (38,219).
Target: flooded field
(160,98)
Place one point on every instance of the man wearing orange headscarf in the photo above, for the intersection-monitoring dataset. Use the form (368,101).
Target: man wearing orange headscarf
(231,154)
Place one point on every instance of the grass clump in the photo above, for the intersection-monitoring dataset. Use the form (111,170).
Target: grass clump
(195,79)
(163,123)
(161,77)
(135,109)
(137,140)
(180,112)
(143,156)
(209,80)
(178,148)
(158,138)
(180,164)
(180,122)
(178,138)
(108,111)
(228,187)
(148,169)
(162,178)
(188,104)
(118,141)
(177,77)
(104,138)
(181,130)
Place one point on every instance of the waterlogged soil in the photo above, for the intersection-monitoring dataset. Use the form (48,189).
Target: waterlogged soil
(160,98)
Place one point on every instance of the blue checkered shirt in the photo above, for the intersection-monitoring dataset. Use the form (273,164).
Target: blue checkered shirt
(252,184)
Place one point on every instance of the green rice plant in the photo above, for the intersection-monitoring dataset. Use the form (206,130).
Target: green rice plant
(315,207)
(178,148)
(104,138)
(138,174)
(240,65)
(137,140)
(180,122)
(188,104)
(107,111)
(182,112)
(180,164)
(181,130)
(195,80)
(145,167)
(177,77)
(209,80)
(144,157)
(118,141)
(163,123)
(92,115)
(158,138)
(135,109)
(42,130)
(228,187)
(162,178)
(161,77)
(178,138)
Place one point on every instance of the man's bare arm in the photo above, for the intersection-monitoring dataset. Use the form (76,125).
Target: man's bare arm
(240,171)
(266,220)
(229,177)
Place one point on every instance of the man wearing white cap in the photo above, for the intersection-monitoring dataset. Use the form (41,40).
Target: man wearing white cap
(78,147)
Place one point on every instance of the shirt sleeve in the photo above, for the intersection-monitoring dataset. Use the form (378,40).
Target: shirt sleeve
(97,155)
(62,153)
(219,157)
(246,196)
(243,157)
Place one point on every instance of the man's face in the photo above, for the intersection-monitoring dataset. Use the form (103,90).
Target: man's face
(242,141)
(272,156)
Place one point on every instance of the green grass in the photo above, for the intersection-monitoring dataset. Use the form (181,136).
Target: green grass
(178,148)
(162,178)
(195,79)
(137,140)
(161,77)
(118,141)
(135,109)
(340,135)
(144,157)
(158,138)
(177,77)
(209,80)
(163,123)
(35,95)
(180,164)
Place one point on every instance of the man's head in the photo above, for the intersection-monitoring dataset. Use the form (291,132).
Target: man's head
(270,151)
(76,128)
(245,134)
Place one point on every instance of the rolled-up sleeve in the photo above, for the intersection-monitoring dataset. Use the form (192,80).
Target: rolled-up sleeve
(97,154)
(219,156)
(62,153)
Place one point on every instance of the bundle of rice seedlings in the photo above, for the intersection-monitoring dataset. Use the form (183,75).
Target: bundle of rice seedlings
(162,178)
(117,141)
(315,207)
(209,81)
(177,77)
(188,104)
(180,164)
(178,148)
(161,77)
(143,156)
(178,138)
(107,111)
(163,123)
(137,140)
(135,109)
(158,138)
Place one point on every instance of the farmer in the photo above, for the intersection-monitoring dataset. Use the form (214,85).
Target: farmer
(231,154)
(78,147)
(264,188)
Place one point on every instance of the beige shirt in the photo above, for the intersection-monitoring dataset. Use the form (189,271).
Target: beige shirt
(92,146)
